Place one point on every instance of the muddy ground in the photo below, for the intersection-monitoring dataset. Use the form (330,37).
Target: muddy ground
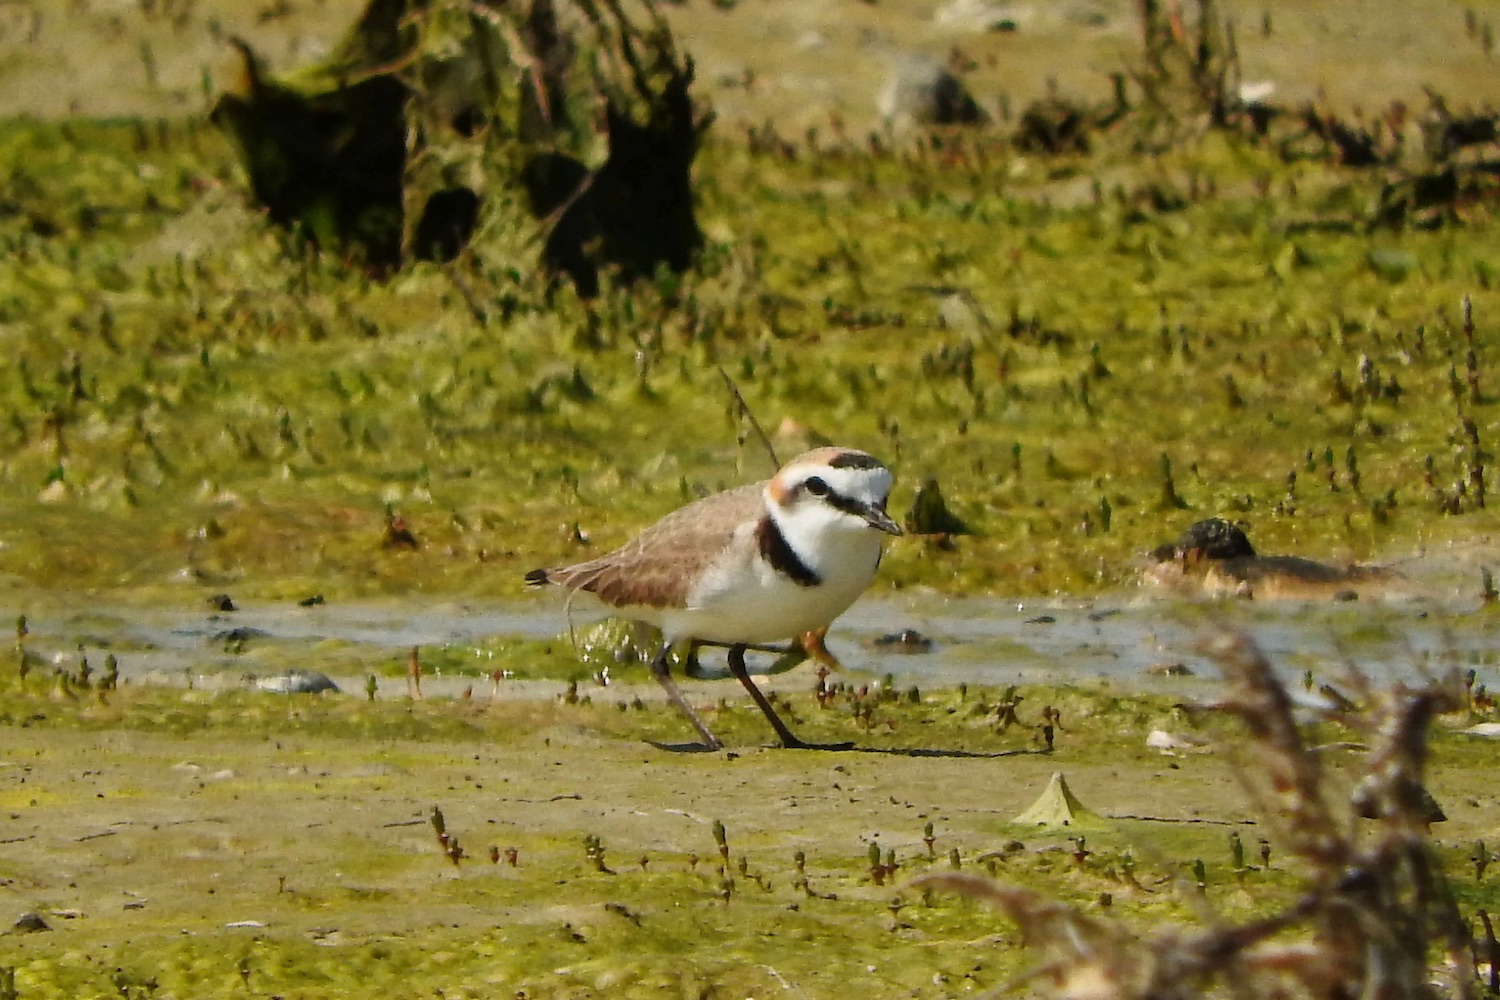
(791,62)
(213,843)
(205,842)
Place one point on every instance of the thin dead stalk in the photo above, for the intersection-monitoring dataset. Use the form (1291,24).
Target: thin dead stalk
(742,411)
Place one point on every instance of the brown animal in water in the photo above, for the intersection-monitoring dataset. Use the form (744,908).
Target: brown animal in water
(1214,557)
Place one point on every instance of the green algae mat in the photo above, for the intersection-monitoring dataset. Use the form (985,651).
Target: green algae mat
(1080,379)
(1082,354)
(189,844)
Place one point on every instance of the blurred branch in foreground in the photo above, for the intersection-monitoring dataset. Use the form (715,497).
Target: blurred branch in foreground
(1375,916)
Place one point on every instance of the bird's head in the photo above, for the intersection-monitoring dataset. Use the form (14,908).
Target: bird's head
(832,489)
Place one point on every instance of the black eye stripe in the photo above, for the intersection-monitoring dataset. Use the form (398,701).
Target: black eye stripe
(818,486)
(846,504)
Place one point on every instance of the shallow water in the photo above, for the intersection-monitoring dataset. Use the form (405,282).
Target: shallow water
(1123,638)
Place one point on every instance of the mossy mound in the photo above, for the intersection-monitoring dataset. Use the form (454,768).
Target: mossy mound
(434,121)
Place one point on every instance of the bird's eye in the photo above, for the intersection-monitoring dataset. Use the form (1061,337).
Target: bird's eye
(817,487)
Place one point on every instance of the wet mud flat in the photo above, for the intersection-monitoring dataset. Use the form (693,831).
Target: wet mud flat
(188,834)
(1428,613)
(794,62)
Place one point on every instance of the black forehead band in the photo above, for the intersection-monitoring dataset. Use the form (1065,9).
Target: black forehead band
(855,460)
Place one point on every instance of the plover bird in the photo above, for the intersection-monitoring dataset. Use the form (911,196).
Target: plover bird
(748,566)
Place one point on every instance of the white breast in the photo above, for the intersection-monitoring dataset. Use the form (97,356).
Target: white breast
(743,599)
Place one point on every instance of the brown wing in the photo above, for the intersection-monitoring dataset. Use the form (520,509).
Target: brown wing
(657,568)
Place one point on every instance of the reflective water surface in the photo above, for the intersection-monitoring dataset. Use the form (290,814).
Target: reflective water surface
(1130,637)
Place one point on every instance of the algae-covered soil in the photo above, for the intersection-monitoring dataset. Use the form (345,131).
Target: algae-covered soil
(245,843)
(1086,355)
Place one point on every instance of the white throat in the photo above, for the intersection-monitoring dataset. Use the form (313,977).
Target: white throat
(841,550)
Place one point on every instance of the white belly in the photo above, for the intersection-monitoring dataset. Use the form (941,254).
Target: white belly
(755,604)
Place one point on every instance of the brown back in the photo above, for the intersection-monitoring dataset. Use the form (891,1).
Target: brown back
(659,566)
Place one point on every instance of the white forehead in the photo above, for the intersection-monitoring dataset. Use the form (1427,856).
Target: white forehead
(872,483)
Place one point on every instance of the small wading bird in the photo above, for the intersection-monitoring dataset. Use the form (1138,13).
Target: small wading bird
(748,566)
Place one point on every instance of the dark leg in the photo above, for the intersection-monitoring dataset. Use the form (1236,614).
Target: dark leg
(760,647)
(664,677)
(737,668)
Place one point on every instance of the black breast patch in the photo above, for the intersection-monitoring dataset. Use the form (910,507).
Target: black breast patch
(774,547)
